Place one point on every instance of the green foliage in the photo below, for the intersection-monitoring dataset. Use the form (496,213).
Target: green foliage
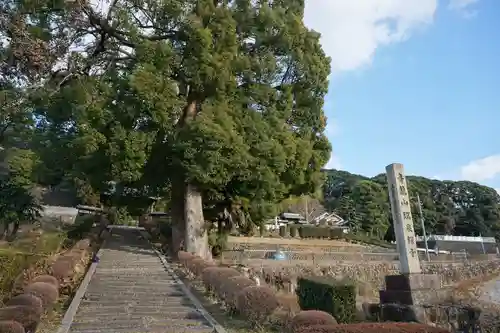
(82,226)
(282,231)
(18,257)
(457,208)
(259,136)
(230,101)
(120,216)
(335,297)
(310,231)
(17,205)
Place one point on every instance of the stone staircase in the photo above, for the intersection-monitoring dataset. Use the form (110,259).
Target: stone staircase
(132,292)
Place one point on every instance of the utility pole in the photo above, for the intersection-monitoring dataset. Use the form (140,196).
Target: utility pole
(423,227)
(307,210)
(482,243)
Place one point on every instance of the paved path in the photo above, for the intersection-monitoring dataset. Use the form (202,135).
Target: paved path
(131,292)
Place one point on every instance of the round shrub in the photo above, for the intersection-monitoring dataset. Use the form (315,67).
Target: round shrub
(63,268)
(27,300)
(310,318)
(234,285)
(214,277)
(388,327)
(24,315)
(256,303)
(197,265)
(184,257)
(47,279)
(206,276)
(46,292)
(82,244)
(10,326)
(220,277)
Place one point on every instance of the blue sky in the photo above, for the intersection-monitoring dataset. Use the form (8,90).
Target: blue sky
(415,82)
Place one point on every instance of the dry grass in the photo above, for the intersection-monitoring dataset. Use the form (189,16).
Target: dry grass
(291,241)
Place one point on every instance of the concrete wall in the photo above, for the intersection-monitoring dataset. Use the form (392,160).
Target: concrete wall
(65,214)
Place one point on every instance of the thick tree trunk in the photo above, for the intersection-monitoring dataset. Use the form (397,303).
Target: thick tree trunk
(4,227)
(177,212)
(15,229)
(196,235)
(187,203)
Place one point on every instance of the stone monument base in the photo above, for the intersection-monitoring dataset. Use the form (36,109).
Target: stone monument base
(406,296)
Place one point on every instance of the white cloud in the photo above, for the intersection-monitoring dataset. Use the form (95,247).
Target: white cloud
(461,4)
(498,190)
(333,163)
(463,7)
(332,130)
(483,169)
(352,30)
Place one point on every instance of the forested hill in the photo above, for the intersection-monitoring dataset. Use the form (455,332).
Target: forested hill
(449,207)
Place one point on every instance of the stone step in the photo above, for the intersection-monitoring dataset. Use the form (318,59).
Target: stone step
(139,318)
(110,326)
(131,292)
(118,286)
(153,329)
(129,278)
(108,295)
(173,313)
(166,309)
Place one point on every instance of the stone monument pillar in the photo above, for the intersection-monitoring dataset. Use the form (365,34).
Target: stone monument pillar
(410,290)
(402,218)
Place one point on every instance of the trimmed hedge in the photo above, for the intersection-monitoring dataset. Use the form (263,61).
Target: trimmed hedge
(46,292)
(257,304)
(309,318)
(10,326)
(184,257)
(63,268)
(311,231)
(47,279)
(24,315)
(334,297)
(282,231)
(197,265)
(27,300)
(232,288)
(215,277)
(375,328)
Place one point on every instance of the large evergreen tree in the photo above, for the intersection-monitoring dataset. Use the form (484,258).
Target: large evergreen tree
(220,101)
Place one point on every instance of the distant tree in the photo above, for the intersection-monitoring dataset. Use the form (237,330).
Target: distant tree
(213,101)
(457,208)
(17,205)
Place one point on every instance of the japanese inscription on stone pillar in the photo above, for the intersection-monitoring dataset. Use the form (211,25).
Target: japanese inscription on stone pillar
(403,221)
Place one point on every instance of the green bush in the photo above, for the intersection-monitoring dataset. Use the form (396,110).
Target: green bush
(336,233)
(311,231)
(335,297)
(282,231)
(82,226)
